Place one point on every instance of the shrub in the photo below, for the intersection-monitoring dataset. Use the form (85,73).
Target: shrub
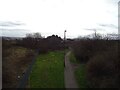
(102,69)
(85,49)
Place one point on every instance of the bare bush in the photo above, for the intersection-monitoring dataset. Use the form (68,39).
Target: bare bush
(85,49)
(102,69)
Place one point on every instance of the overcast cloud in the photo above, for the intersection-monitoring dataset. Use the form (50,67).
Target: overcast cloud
(9,24)
(54,16)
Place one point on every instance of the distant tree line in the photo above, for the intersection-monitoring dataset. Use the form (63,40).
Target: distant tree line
(40,43)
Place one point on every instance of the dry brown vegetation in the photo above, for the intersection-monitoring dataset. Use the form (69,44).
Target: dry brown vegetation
(15,62)
(102,61)
(102,69)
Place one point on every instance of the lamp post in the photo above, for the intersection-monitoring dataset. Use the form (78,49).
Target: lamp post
(64,45)
(95,33)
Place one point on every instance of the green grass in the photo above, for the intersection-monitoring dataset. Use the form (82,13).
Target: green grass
(80,76)
(48,71)
(72,58)
(80,73)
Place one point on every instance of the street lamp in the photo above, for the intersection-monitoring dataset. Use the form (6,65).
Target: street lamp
(64,45)
(65,35)
(95,33)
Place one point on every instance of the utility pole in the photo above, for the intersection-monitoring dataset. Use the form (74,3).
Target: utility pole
(64,45)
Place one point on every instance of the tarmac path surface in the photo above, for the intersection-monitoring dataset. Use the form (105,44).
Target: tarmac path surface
(70,81)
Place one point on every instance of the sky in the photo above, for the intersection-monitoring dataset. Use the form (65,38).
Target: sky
(78,17)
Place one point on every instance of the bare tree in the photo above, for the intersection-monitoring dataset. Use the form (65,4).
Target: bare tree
(33,35)
(29,35)
(37,35)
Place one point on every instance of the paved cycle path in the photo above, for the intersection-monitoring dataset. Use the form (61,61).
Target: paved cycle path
(70,81)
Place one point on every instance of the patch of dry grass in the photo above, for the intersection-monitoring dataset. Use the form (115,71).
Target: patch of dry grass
(15,62)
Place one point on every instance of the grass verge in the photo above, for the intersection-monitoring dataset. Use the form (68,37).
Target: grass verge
(80,75)
(48,71)
(72,58)
(80,72)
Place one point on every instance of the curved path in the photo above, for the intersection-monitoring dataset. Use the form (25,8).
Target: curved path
(70,81)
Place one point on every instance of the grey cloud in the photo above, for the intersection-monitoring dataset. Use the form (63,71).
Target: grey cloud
(10,24)
(92,29)
(4,29)
(8,28)
(13,32)
(109,25)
